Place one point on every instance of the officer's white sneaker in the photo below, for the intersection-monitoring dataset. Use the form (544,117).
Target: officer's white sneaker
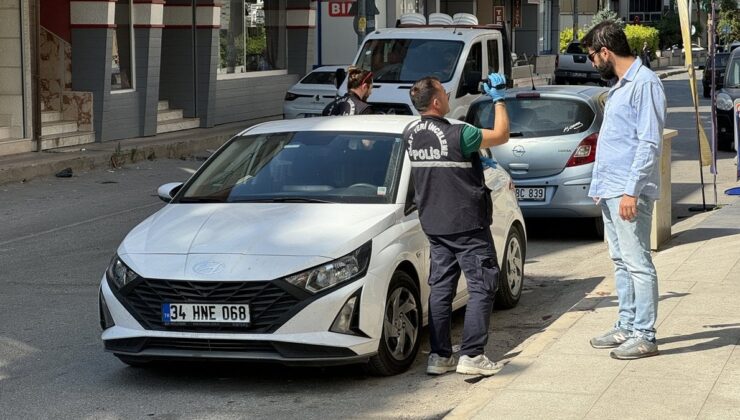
(478,365)
(437,365)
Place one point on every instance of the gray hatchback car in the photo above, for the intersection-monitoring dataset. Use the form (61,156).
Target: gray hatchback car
(551,152)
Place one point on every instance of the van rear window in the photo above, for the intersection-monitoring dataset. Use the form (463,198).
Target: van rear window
(408,60)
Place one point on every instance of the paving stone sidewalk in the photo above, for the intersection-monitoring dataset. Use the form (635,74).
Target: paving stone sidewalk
(697,375)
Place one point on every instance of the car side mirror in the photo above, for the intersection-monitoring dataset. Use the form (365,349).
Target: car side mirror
(168,191)
(339,77)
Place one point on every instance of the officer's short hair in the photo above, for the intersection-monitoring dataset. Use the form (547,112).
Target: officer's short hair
(422,93)
(610,35)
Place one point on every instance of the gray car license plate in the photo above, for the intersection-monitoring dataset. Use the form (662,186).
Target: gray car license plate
(530,194)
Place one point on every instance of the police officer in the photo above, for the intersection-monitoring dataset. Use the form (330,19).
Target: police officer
(360,86)
(456,211)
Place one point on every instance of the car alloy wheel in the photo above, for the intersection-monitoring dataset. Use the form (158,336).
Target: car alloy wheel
(399,342)
(511,277)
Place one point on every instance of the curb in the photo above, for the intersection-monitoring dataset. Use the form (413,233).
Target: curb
(669,73)
(117,153)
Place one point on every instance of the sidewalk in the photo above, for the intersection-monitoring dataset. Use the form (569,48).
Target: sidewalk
(697,375)
(176,145)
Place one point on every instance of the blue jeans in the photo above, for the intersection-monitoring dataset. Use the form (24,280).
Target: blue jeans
(634,272)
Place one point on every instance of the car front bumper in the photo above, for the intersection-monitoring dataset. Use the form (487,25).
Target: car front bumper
(302,339)
(566,195)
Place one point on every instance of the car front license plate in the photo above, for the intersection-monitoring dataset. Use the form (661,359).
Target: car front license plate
(530,194)
(190,313)
(574,74)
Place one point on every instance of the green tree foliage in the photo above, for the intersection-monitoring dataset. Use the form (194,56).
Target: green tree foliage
(728,17)
(605,15)
(566,36)
(639,34)
(669,30)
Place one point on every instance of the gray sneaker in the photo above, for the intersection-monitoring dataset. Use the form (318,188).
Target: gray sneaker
(478,365)
(635,348)
(437,365)
(610,339)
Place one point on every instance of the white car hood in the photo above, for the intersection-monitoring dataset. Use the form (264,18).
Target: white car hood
(260,229)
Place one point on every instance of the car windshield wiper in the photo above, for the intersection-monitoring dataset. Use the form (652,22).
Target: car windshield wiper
(201,200)
(516,134)
(280,200)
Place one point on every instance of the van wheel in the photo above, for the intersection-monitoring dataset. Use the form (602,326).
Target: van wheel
(512,271)
(399,342)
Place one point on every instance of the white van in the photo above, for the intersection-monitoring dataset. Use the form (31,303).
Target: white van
(459,55)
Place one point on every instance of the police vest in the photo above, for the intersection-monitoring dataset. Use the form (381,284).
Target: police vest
(349,104)
(451,193)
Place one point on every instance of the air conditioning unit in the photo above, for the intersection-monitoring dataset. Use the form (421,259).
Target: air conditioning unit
(464,19)
(440,19)
(413,19)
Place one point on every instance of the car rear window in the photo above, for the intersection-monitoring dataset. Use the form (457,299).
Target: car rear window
(539,117)
(575,49)
(319,78)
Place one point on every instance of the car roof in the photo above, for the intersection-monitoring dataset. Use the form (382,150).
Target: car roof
(329,68)
(734,53)
(437,33)
(357,123)
(585,92)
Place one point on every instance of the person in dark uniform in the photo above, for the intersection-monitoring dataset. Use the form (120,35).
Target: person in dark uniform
(360,86)
(456,212)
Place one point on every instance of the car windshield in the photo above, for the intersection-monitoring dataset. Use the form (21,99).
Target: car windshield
(733,75)
(320,78)
(538,117)
(408,60)
(311,166)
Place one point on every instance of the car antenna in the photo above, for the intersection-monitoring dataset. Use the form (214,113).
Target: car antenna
(531,77)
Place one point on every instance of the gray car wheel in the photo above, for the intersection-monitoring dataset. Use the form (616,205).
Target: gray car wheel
(511,277)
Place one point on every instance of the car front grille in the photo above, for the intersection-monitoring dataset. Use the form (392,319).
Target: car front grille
(269,305)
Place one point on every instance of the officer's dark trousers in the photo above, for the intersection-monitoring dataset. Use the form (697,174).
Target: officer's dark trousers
(474,253)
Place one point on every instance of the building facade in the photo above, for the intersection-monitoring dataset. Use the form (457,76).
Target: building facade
(116,69)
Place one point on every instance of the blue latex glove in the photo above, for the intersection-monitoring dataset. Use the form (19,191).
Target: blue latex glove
(495,79)
(488,162)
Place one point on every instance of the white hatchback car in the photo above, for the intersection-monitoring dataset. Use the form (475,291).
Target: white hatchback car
(312,94)
(296,242)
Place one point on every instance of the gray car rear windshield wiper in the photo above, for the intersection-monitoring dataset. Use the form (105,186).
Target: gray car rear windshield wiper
(280,200)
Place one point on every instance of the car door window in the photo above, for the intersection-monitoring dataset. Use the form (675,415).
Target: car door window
(472,70)
(493,64)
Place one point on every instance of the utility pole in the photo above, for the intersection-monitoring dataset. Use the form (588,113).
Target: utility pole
(575,20)
(361,21)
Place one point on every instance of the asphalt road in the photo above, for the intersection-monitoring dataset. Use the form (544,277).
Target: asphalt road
(59,234)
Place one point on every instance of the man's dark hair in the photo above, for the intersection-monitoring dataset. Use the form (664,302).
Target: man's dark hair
(422,93)
(607,34)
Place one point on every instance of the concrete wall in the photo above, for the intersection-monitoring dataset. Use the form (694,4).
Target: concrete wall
(118,115)
(11,67)
(249,98)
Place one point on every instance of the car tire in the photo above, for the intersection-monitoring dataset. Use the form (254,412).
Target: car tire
(133,361)
(395,355)
(511,277)
(725,142)
(599,227)
(707,92)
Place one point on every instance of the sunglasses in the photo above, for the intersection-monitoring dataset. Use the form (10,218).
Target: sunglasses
(591,56)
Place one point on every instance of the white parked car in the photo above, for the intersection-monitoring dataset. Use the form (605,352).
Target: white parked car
(312,94)
(298,242)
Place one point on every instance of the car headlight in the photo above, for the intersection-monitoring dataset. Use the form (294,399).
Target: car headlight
(351,266)
(119,273)
(724,102)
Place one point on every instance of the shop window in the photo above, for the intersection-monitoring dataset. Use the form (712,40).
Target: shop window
(251,37)
(122,47)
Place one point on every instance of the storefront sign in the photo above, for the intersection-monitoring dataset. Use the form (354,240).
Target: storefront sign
(340,8)
(498,15)
(517,13)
